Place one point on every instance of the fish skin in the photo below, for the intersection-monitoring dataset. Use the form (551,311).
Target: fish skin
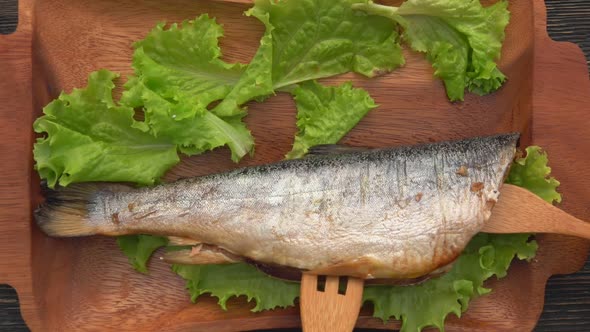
(388,213)
(201,254)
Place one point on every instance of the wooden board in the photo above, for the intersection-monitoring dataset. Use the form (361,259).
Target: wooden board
(86,284)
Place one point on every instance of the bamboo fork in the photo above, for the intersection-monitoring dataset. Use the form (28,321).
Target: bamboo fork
(328,310)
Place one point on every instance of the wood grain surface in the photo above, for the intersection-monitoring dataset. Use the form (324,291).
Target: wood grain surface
(568,297)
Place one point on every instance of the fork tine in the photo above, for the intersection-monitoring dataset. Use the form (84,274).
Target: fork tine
(332,285)
(310,279)
(354,288)
(328,310)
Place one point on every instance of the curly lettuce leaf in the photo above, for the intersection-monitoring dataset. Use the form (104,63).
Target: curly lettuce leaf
(174,86)
(309,40)
(178,74)
(326,114)
(256,82)
(229,280)
(194,135)
(182,64)
(320,38)
(531,172)
(139,249)
(91,138)
(461,38)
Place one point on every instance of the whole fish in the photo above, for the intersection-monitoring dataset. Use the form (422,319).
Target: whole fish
(395,213)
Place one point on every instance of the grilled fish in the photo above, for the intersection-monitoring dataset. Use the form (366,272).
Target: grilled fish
(397,213)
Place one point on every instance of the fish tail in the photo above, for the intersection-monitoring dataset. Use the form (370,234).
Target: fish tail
(65,212)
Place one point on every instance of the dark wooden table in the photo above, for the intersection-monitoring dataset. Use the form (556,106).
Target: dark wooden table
(567,301)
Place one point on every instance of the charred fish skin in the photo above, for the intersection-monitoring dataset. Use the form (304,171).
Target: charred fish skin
(388,213)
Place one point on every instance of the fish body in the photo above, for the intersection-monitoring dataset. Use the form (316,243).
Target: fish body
(394,213)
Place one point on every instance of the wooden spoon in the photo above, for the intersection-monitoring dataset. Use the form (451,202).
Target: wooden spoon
(328,310)
(520,211)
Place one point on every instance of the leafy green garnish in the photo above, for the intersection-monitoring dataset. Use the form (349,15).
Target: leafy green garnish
(139,249)
(178,74)
(256,82)
(174,87)
(532,172)
(226,281)
(313,39)
(182,64)
(461,38)
(91,138)
(326,114)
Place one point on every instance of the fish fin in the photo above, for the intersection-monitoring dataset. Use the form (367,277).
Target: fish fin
(65,210)
(181,241)
(327,149)
(201,254)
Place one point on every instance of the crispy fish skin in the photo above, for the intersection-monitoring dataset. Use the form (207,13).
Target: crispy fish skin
(389,213)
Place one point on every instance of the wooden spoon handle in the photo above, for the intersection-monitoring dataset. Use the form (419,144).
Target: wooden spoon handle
(520,211)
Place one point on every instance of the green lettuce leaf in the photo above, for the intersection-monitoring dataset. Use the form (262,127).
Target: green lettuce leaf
(196,134)
(178,71)
(90,138)
(182,64)
(139,249)
(531,172)
(461,38)
(326,114)
(178,74)
(320,38)
(339,42)
(256,81)
(226,281)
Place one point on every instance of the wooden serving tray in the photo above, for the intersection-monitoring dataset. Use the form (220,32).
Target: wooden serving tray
(87,284)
